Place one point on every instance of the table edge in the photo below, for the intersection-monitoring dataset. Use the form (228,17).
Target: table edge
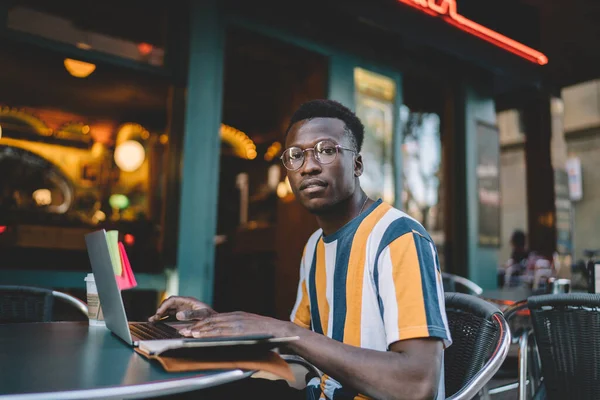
(159,388)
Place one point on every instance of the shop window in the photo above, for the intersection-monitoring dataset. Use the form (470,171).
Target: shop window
(133,30)
(421,126)
(375,102)
(78,155)
(261,229)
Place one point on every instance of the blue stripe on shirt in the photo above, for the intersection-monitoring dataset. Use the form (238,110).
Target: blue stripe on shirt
(429,284)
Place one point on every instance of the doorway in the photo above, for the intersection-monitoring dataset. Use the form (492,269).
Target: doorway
(261,230)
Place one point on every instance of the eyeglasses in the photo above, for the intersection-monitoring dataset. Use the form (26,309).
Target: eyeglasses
(324,152)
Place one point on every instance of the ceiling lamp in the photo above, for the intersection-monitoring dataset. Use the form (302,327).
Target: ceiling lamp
(79,69)
(129,155)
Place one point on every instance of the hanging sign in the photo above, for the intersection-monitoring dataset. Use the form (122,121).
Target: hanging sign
(447,10)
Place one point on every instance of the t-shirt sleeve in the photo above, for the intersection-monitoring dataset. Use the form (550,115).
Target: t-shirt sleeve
(411,294)
(301,311)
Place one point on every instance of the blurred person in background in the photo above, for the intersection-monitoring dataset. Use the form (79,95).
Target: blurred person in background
(516,266)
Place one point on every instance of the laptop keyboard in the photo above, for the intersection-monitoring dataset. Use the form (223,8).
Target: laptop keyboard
(152,331)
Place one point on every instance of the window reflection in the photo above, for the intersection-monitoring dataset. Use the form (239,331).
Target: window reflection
(422,170)
(87,173)
(375,96)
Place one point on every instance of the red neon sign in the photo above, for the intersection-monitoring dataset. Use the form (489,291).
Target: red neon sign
(446,9)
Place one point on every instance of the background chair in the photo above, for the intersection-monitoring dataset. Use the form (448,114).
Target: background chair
(480,342)
(566,330)
(33,304)
(456,283)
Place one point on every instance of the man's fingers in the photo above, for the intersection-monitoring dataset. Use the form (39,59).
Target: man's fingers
(202,329)
(187,315)
(167,307)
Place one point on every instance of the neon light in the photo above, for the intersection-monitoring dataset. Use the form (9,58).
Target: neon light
(2,229)
(446,9)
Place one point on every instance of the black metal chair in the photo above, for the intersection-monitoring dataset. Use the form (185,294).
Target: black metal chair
(558,355)
(480,342)
(33,304)
(566,328)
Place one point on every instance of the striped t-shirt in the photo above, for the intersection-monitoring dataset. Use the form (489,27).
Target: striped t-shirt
(375,281)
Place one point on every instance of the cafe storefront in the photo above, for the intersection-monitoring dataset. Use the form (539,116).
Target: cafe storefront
(167,124)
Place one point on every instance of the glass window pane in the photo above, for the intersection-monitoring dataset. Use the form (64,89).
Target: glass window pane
(424,186)
(130,29)
(375,101)
(78,155)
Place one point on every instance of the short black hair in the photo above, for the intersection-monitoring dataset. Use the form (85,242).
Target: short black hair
(324,108)
(518,238)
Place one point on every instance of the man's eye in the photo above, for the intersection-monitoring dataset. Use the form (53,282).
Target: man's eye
(328,151)
(295,155)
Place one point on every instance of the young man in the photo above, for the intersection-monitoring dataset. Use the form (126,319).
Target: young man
(370,308)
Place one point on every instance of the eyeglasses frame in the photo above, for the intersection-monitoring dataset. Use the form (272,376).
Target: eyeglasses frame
(337,151)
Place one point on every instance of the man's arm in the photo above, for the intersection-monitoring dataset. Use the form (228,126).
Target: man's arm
(410,370)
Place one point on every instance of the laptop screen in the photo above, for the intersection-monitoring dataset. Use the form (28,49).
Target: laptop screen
(108,291)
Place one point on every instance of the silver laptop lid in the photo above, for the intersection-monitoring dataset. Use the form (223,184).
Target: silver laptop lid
(108,291)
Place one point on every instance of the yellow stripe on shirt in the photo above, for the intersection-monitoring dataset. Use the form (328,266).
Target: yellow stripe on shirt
(302,316)
(355,276)
(406,272)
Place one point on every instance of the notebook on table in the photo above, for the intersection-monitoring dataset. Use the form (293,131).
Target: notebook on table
(152,337)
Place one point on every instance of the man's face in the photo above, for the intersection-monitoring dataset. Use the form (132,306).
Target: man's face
(320,187)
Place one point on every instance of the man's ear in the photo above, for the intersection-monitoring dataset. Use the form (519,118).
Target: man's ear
(358,165)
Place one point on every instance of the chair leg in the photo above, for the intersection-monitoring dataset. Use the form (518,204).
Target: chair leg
(535,372)
(484,393)
(523,364)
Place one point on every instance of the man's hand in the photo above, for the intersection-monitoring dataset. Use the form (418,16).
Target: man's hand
(184,308)
(236,324)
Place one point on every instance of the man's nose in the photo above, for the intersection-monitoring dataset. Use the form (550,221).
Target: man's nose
(311,165)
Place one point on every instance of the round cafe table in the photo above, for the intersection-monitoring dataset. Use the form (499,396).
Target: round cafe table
(505,297)
(72,360)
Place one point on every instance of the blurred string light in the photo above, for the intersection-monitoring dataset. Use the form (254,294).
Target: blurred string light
(272,151)
(98,216)
(243,146)
(22,116)
(284,189)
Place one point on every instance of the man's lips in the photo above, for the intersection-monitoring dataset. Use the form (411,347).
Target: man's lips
(312,183)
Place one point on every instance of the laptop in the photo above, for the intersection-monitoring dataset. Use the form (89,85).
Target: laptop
(143,333)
